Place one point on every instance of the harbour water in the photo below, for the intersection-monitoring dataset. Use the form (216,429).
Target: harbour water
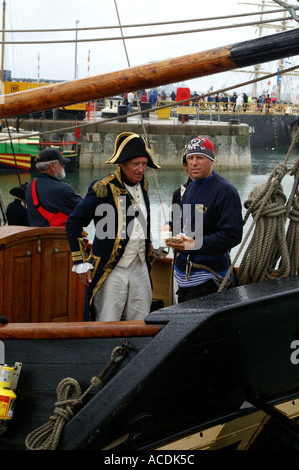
(263,163)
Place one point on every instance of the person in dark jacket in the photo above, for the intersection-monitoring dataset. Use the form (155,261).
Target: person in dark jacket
(210,225)
(49,200)
(16,212)
(115,272)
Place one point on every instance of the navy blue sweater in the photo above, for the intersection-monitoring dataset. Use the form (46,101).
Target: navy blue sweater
(220,204)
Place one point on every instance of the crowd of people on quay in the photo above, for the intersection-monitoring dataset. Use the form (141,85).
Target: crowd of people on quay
(224,102)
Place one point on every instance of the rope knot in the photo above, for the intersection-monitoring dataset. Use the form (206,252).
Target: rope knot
(47,436)
(280,171)
(95,381)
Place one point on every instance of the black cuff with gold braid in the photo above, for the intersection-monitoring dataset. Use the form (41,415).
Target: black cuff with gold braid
(80,256)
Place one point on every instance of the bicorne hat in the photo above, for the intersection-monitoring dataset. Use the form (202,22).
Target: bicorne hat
(19,191)
(129,145)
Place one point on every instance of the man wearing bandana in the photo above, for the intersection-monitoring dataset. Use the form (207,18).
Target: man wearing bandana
(115,271)
(203,243)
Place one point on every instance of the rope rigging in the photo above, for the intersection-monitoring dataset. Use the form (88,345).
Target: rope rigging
(152,35)
(141,25)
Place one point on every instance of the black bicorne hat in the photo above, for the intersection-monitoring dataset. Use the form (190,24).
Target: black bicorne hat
(129,145)
(19,191)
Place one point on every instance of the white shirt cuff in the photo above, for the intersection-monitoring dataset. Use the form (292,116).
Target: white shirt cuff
(82,268)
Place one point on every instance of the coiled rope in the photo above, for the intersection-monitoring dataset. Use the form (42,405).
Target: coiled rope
(69,397)
(269,236)
(269,243)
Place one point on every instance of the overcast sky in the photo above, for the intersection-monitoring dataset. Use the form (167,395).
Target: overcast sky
(57,61)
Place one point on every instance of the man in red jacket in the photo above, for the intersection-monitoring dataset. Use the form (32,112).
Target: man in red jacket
(49,200)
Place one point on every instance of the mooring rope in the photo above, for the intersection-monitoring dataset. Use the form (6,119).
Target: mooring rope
(69,397)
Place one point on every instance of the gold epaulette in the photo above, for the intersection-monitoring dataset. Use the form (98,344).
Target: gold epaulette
(145,185)
(100,187)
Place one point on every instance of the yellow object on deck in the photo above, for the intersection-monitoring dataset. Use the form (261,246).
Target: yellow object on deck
(163,113)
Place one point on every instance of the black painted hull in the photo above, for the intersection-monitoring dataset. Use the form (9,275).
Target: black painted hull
(266,131)
(210,357)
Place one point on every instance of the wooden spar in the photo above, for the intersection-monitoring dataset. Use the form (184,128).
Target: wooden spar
(200,64)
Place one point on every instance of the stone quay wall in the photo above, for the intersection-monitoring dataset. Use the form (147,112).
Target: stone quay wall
(231,143)
(167,139)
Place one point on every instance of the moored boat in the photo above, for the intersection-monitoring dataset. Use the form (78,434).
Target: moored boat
(18,150)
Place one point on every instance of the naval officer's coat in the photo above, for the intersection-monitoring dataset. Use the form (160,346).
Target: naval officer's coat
(113,209)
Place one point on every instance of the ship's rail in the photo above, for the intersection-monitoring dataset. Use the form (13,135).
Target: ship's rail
(232,108)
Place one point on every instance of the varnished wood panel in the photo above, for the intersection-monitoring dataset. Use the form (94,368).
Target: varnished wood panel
(37,282)
(58,287)
(161,279)
(21,282)
(1,280)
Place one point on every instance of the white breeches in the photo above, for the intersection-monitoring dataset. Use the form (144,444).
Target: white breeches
(126,291)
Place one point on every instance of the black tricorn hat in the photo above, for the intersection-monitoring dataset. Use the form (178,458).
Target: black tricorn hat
(49,155)
(19,191)
(129,145)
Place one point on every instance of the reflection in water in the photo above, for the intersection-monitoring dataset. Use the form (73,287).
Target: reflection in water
(263,163)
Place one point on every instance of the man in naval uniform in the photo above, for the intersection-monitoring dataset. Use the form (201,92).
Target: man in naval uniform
(115,272)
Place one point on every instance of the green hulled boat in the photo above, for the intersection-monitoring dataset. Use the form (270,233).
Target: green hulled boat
(20,148)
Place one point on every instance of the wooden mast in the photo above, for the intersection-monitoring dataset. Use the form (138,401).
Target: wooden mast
(209,62)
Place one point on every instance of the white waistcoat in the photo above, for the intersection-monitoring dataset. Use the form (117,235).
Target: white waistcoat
(136,244)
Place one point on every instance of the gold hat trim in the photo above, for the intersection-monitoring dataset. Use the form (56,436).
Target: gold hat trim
(130,136)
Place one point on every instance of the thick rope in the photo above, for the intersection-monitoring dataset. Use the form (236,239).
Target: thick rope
(69,397)
(293,229)
(269,237)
